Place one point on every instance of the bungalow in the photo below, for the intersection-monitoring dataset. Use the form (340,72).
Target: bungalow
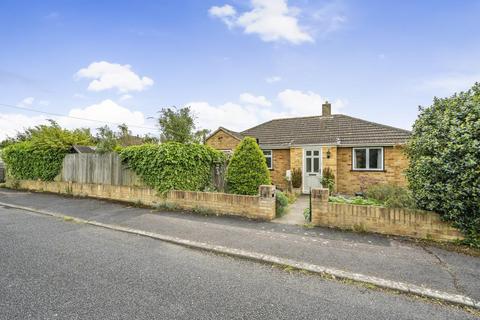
(359,152)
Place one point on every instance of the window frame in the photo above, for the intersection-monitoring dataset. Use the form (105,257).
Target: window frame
(367,159)
(270,156)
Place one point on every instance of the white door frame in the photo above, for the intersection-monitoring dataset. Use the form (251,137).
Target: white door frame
(304,163)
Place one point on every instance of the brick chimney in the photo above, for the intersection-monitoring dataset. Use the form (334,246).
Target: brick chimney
(326,109)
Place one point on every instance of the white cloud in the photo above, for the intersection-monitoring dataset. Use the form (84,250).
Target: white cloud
(11,123)
(271,20)
(125,97)
(230,115)
(299,103)
(243,115)
(249,98)
(226,13)
(31,101)
(108,75)
(329,18)
(106,110)
(273,79)
(450,83)
(79,96)
(27,102)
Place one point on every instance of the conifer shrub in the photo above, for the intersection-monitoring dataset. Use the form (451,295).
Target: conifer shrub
(247,169)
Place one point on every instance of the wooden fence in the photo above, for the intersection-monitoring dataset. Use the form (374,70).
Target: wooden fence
(98,169)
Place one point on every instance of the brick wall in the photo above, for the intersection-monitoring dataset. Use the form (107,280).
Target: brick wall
(222,141)
(401,222)
(330,162)
(260,207)
(296,158)
(349,181)
(281,163)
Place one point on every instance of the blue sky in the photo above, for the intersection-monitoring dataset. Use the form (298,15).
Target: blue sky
(237,63)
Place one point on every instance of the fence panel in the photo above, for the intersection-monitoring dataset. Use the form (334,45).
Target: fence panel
(99,169)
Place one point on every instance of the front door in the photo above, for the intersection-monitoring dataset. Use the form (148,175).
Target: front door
(312,168)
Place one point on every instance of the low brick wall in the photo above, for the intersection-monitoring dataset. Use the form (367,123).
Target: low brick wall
(401,222)
(260,207)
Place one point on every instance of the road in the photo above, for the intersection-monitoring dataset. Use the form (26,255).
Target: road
(55,269)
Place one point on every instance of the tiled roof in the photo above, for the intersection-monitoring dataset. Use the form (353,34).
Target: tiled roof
(233,133)
(335,129)
(82,149)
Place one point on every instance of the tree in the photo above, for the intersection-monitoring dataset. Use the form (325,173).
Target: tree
(247,169)
(444,152)
(106,140)
(176,125)
(201,135)
(109,140)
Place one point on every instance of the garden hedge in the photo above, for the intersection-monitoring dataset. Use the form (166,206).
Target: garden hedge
(25,162)
(444,152)
(173,165)
(41,153)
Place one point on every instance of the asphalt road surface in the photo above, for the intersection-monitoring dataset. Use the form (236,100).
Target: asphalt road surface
(55,269)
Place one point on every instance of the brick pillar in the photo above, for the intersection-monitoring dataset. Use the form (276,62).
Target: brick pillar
(319,205)
(267,202)
(266,191)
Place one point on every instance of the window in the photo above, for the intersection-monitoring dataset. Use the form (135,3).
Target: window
(268,158)
(312,160)
(368,158)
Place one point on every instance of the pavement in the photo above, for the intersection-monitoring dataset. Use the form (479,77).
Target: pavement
(55,269)
(294,214)
(371,255)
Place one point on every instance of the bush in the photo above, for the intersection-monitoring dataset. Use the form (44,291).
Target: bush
(247,169)
(444,153)
(391,196)
(297,178)
(41,153)
(328,179)
(292,197)
(172,165)
(307,214)
(355,200)
(281,203)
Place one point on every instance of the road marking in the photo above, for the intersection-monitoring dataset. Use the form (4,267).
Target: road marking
(265,258)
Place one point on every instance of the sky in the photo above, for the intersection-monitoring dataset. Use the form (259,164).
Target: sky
(236,63)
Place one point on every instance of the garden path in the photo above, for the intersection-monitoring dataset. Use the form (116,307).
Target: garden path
(294,213)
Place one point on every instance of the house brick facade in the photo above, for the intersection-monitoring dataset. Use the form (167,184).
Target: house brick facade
(350,181)
(297,143)
(221,140)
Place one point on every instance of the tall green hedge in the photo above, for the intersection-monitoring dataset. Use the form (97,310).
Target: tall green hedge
(444,152)
(173,165)
(26,162)
(247,169)
(40,154)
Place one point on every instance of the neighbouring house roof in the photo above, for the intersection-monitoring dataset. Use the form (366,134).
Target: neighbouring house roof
(82,149)
(234,134)
(337,129)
